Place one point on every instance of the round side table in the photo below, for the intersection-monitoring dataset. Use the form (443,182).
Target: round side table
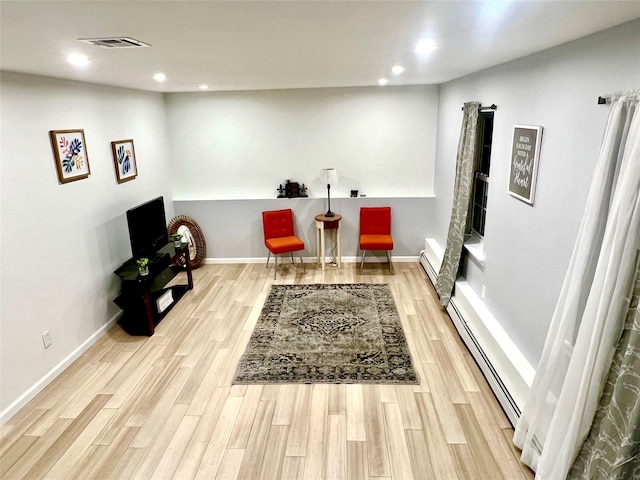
(328,223)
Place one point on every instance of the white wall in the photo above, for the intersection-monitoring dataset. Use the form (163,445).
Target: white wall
(61,243)
(528,247)
(239,145)
(233,228)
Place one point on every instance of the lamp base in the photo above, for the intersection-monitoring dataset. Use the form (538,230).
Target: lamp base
(329,214)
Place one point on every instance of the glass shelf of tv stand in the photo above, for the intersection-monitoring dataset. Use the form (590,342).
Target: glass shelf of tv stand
(129,269)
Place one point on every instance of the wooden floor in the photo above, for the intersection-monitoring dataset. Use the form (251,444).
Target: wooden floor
(164,406)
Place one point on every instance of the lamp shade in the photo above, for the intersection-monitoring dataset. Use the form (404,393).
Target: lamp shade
(329,176)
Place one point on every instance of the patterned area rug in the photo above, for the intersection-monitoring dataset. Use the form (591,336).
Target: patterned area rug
(339,333)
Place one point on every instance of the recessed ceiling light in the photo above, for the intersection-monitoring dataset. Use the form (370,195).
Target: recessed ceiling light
(382,81)
(159,77)
(78,59)
(204,87)
(426,46)
(397,69)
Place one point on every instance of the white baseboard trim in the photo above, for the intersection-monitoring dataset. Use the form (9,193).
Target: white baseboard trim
(222,261)
(399,259)
(507,371)
(30,394)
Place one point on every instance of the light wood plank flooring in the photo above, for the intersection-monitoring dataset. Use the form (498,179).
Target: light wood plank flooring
(164,407)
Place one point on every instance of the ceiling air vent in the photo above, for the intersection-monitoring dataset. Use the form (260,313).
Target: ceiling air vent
(115,42)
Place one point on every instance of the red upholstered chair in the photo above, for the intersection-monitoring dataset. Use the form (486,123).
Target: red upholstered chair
(375,231)
(279,237)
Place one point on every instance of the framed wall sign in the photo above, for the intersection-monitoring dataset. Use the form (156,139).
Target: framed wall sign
(525,154)
(70,154)
(124,159)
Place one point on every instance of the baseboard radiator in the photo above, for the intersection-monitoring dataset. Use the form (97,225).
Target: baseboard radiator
(506,370)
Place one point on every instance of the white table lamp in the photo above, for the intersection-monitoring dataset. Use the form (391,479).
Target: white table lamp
(330,177)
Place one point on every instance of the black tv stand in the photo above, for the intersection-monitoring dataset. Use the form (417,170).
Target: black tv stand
(146,300)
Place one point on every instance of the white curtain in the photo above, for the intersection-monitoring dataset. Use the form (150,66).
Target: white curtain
(590,312)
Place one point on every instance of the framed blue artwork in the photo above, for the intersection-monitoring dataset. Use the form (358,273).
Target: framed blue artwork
(70,154)
(124,159)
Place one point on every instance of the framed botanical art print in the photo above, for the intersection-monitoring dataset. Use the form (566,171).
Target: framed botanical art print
(525,154)
(124,159)
(70,153)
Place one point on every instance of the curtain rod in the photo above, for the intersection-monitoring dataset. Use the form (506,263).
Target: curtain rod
(493,106)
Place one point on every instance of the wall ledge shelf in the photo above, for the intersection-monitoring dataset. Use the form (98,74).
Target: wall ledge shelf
(253,199)
(475,248)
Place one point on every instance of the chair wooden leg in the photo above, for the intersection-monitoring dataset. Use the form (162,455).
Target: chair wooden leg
(304,270)
(362,262)
(268,256)
(291,253)
(389,258)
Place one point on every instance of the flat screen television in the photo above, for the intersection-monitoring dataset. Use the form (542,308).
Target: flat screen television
(147,228)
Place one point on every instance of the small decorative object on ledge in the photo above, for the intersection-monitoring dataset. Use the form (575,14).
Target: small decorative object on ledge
(292,190)
(354,193)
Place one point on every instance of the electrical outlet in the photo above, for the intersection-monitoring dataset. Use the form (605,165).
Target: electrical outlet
(483,292)
(46,339)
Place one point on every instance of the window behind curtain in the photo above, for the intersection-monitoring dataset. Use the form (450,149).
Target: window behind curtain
(481,181)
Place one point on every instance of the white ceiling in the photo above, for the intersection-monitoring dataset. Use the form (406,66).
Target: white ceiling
(242,45)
